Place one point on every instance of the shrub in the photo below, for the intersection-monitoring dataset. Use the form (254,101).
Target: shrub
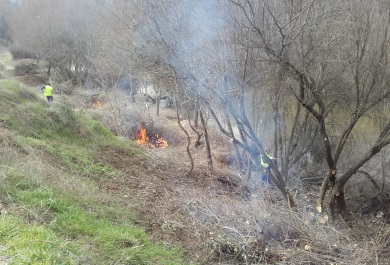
(25,69)
(18,54)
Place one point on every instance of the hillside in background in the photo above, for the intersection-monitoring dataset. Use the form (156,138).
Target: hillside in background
(74,193)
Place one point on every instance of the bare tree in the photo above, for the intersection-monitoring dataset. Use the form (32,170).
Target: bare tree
(62,41)
(191,42)
(277,73)
(333,78)
(5,9)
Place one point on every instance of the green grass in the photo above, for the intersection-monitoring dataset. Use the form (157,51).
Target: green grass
(47,223)
(72,138)
(35,244)
(54,228)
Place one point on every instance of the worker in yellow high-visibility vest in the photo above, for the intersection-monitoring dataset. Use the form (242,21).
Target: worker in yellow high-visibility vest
(48,92)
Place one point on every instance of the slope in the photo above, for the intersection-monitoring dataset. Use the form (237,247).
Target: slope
(63,200)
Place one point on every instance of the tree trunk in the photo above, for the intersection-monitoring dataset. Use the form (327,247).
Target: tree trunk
(49,69)
(236,150)
(337,204)
(185,131)
(132,91)
(114,116)
(278,180)
(276,129)
(196,118)
(158,96)
(249,174)
(206,138)
(198,142)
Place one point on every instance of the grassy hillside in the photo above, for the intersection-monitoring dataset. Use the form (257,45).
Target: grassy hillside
(54,207)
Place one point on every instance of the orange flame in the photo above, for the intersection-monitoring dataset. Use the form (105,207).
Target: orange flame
(95,101)
(154,141)
(141,136)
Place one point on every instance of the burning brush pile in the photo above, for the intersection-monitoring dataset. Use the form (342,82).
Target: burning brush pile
(96,102)
(152,140)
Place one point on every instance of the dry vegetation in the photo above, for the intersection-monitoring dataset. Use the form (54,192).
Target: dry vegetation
(217,216)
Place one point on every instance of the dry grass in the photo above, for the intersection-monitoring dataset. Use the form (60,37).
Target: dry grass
(258,231)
